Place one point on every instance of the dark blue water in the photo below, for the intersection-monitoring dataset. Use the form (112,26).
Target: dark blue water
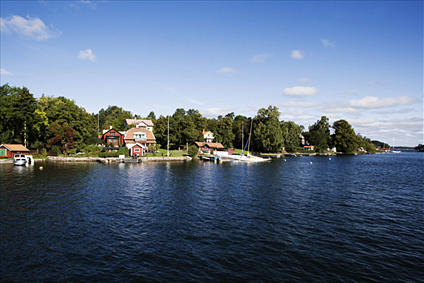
(349,219)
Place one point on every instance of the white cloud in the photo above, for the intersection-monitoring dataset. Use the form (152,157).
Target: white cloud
(82,3)
(377,83)
(260,57)
(298,104)
(4,72)
(291,115)
(304,80)
(327,43)
(33,28)
(375,102)
(339,109)
(215,112)
(300,91)
(226,70)
(87,55)
(297,54)
(408,132)
(189,99)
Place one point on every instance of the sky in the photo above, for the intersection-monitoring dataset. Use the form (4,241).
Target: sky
(361,61)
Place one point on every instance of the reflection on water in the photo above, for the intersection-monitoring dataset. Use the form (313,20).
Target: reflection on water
(332,220)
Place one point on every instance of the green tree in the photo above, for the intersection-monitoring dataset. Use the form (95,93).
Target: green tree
(40,125)
(161,131)
(319,134)
(365,143)
(344,137)
(290,134)
(193,151)
(113,116)
(225,131)
(241,128)
(18,107)
(61,110)
(267,133)
(151,116)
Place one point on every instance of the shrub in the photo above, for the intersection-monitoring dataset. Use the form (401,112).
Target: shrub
(109,154)
(192,151)
(92,148)
(56,149)
(123,151)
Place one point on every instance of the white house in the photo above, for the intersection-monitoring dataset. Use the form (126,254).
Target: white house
(207,136)
(142,124)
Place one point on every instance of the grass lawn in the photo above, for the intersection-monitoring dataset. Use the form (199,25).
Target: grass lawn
(163,152)
(239,151)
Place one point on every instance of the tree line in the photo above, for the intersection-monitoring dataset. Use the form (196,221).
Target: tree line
(58,124)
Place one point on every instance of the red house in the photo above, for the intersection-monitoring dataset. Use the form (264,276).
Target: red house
(137,150)
(113,136)
(8,150)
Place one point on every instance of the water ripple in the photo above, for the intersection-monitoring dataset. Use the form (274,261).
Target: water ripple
(339,220)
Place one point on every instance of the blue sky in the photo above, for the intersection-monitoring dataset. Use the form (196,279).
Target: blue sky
(359,61)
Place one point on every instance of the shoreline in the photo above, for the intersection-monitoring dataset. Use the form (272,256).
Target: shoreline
(164,158)
(102,160)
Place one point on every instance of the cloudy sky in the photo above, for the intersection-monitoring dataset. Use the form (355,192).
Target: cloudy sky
(359,61)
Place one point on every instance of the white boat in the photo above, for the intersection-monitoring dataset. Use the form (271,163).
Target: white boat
(246,158)
(19,160)
(393,148)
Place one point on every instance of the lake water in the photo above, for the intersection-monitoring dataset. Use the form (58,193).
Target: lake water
(349,219)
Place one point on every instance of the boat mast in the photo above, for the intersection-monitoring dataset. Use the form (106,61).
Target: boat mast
(242,134)
(250,134)
(167,146)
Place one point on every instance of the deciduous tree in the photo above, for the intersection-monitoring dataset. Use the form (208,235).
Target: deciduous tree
(344,137)
(267,133)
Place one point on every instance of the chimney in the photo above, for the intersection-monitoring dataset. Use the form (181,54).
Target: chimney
(111,127)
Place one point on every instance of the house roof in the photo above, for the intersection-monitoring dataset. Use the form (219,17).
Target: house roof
(130,135)
(107,131)
(148,123)
(140,145)
(15,147)
(210,144)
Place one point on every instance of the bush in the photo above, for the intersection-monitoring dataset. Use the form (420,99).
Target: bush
(109,154)
(123,151)
(72,151)
(192,151)
(56,149)
(92,148)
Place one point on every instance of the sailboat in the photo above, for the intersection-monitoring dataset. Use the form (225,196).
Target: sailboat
(246,157)
(393,149)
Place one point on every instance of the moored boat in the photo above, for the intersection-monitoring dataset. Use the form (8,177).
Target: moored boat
(19,160)
(246,158)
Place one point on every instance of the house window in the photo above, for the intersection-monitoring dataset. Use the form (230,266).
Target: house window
(136,150)
(112,134)
(2,152)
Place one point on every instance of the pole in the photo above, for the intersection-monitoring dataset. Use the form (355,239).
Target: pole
(250,134)
(242,135)
(167,147)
